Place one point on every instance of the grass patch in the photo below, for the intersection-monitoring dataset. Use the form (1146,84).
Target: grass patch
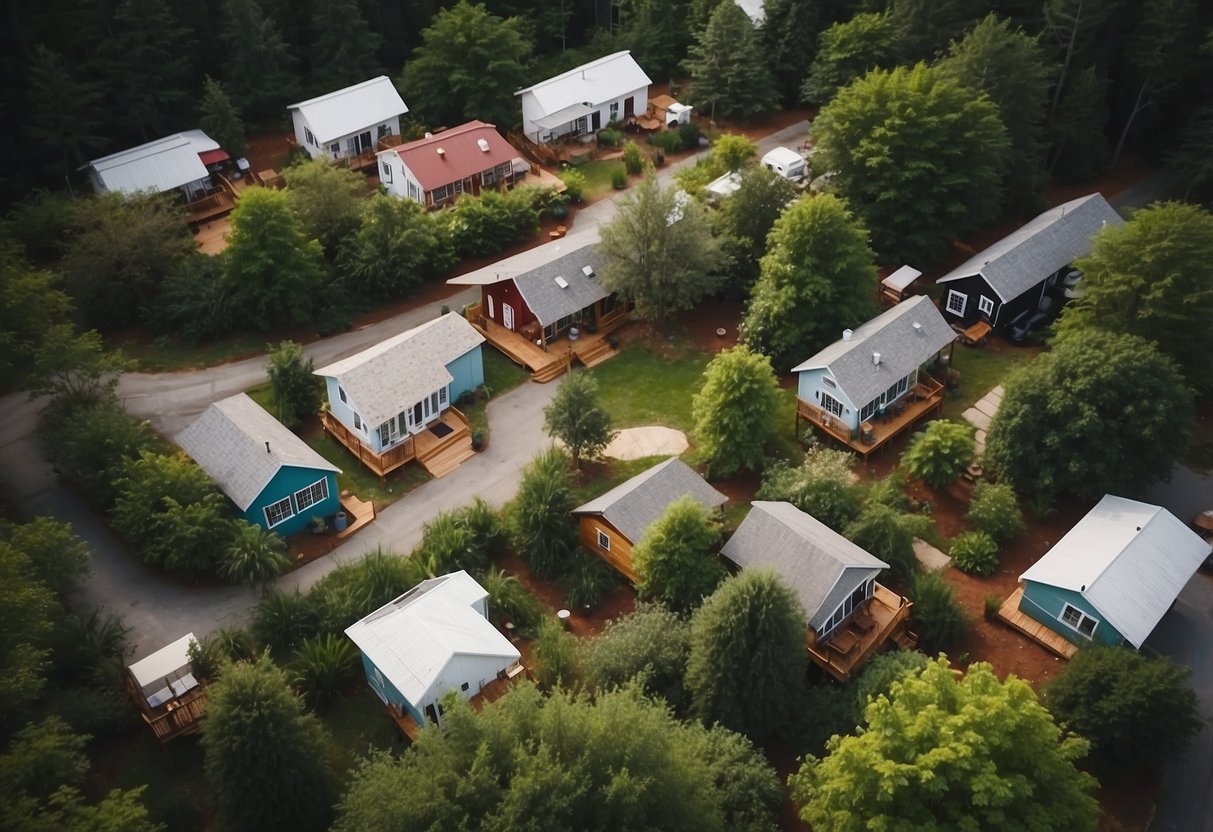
(359,480)
(598,176)
(164,355)
(358,722)
(665,396)
(981,370)
(501,375)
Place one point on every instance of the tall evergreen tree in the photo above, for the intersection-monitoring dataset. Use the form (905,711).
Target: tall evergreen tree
(790,29)
(258,72)
(220,118)
(65,111)
(344,47)
(1079,144)
(924,27)
(658,34)
(728,67)
(149,67)
(846,51)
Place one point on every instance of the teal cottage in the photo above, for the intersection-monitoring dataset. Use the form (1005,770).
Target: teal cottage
(275,480)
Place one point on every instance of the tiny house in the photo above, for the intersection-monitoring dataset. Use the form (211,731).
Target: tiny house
(583,100)
(441,167)
(348,122)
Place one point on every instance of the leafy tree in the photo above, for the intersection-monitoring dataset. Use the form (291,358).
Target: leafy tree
(273,269)
(265,755)
(588,580)
(938,618)
(1137,711)
(995,510)
(56,555)
(747,656)
(258,67)
(31,302)
(790,29)
(254,557)
(733,151)
(735,410)
(823,486)
(323,665)
(28,610)
(555,655)
(651,644)
(149,65)
(1076,128)
(295,388)
(885,533)
(195,301)
(1009,66)
(675,561)
(354,590)
(1148,278)
(815,280)
(1191,163)
(941,752)
(728,67)
(539,516)
(975,553)
(659,251)
(922,28)
(327,199)
(743,221)
(575,417)
(220,118)
(122,248)
(343,45)
(617,761)
(939,453)
(918,157)
(492,221)
(283,620)
(89,446)
(468,66)
(73,368)
(398,244)
(846,51)
(658,34)
(1104,413)
(66,114)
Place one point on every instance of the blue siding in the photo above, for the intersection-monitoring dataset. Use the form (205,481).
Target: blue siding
(343,412)
(285,483)
(467,372)
(389,692)
(1044,603)
(809,386)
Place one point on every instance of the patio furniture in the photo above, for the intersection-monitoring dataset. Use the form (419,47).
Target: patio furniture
(844,642)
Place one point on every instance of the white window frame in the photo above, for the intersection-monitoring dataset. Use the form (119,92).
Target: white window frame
(308,493)
(278,510)
(357,421)
(964,302)
(387,171)
(1082,618)
(310,136)
(985,305)
(341,393)
(604,540)
(831,405)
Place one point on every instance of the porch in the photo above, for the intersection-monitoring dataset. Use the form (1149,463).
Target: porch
(924,398)
(553,359)
(488,694)
(883,617)
(437,454)
(176,717)
(1013,617)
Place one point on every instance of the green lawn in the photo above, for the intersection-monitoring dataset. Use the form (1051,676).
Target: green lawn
(598,177)
(982,369)
(639,387)
(359,480)
(358,722)
(164,355)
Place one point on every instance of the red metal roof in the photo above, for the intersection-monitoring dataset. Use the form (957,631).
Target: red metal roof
(210,157)
(462,155)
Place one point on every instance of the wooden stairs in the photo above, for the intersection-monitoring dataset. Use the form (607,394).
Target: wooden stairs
(596,353)
(554,370)
(905,638)
(449,455)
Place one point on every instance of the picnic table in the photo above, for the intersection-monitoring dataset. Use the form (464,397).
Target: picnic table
(976,334)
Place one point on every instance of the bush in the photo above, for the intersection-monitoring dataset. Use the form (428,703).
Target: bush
(821,486)
(539,515)
(880,531)
(296,390)
(633,159)
(995,511)
(323,665)
(975,553)
(688,135)
(282,621)
(588,580)
(466,538)
(650,644)
(574,184)
(938,618)
(666,140)
(610,137)
(889,491)
(991,605)
(619,178)
(485,224)
(512,601)
(195,302)
(939,453)
(354,590)
(555,655)
(254,557)
(91,445)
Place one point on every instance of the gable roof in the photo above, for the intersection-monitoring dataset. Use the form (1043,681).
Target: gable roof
(229,441)
(529,260)
(906,336)
(1129,559)
(413,638)
(633,506)
(755,10)
(821,566)
(1052,240)
(341,112)
(167,664)
(594,83)
(388,377)
(462,154)
(160,165)
(550,301)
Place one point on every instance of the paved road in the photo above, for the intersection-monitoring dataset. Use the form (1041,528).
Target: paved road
(160,610)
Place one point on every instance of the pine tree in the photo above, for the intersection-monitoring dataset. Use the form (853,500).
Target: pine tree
(258,72)
(149,66)
(343,46)
(221,120)
(65,111)
(728,67)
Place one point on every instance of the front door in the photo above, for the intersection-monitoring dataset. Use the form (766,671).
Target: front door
(507,316)
(629,106)
(596,121)
(364,142)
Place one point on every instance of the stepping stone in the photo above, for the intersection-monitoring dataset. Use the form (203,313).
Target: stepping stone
(976,418)
(980,441)
(931,558)
(987,407)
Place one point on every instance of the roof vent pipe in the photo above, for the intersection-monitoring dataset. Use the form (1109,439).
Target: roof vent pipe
(267,447)
(876,358)
(918,328)
(846,334)
(428,134)
(442,153)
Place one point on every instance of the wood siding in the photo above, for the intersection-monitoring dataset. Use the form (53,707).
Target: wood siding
(1044,603)
(506,292)
(620,554)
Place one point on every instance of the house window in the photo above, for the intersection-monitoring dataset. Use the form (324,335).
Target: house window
(957,301)
(831,404)
(414,192)
(357,422)
(1078,620)
(311,138)
(317,492)
(439,193)
(464,686)
(604,541)
(829,381)
(614,111)
(489,300)
(276,513)
(868,409)
(385,130)
(341,393)
(387,172)
(442,395)
(986,305)
(385,434)
(335,147)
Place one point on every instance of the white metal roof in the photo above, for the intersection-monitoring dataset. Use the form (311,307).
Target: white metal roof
(529,260)
(412,639)
(345,111)
(782,156)
(1129,559)
(242,447)
(902,278)
(168,661)
(394,374)
(726,185)
(753,8)
(159,166)
(594,83)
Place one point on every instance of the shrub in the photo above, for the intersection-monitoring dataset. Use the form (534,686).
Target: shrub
(650,644)
(588,580)
(619,178)
(512,601)
(354,590)
(539,515)
(939,453)
(555,655)
(487,223)
(574,184)
(323,665)
(254,557)
(975,552)
(666,140)
(676,561)
(610,137)
(90,447)
(995,511)
(991,605)
(688,135)
(633,159)
(889,491)
(938,618)
(283,620)
(821,486)
(466,538)
(881,531)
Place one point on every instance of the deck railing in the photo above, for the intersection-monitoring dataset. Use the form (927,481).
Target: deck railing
(890,611)
(381,464)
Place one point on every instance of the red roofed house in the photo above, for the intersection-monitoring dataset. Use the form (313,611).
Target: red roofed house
(439,168)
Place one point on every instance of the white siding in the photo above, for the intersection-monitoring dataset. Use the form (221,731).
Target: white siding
(531,110)
(301,128)
(343,412)
(811,383)
(476,671)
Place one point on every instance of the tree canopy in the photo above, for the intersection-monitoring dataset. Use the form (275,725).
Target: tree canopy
(945,753)
(675,562)
(650,645)
(735,410)
(918,156)
(221,120)
(327,199)
(846,51)
(728,67)
(743,221)
(577,419)
(296,390)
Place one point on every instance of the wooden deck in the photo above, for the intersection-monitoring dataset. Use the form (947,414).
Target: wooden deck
(923,399)
(551,363)
(433,452)
(177,717)
(1014,618)
(359,512)
(849,646)
(489,693)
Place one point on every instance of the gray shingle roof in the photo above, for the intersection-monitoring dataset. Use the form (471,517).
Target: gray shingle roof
(902,347)
(1054,239)
(394,374)
(229,442)
(547,299)
(632,506)
(821,566)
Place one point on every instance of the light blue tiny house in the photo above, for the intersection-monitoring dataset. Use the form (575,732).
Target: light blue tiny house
(274,479)
(1112,577)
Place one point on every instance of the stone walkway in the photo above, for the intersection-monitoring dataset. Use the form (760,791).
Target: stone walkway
(980,414)
(931,558)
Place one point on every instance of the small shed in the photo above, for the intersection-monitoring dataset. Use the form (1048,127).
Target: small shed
(893,288)
(1112,577)
(163,687)
(613,524)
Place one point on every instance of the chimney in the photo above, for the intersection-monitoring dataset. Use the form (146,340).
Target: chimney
(876,358)
(267,447)
(846,334)
(428,134)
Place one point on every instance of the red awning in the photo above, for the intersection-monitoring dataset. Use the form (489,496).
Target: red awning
(210,157)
